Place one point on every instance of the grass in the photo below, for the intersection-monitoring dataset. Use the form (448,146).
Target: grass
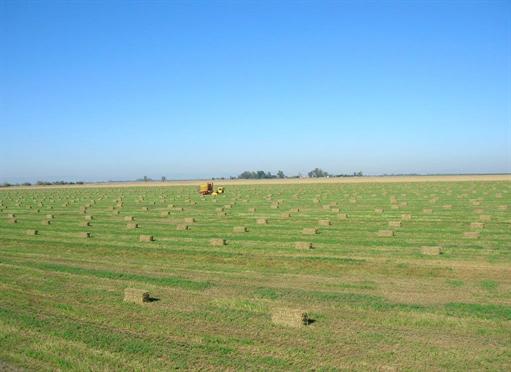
(377,302)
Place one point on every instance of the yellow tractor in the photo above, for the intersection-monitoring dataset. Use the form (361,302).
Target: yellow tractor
(207,189)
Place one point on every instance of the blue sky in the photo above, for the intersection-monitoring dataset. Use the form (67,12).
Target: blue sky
(104,90)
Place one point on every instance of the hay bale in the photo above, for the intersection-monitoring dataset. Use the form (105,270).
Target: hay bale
(310,231)
(217,242)
(220,209)
(89,218)
(31,232)
(129,218)
(378,210)
(447,206)
(290,317)
(394,223)
(136,296)
(285,215)
(427,211)
(178,209)
(324,222)
(335,210)
(303,245)
(342,216)
(50,216)
(432,250)
(262,221)
(471,234)
(189,220)
(477,225)
(252,210)
(484,218)
(84,235)
(132,225)
(182,227)
(45,222)
(406,216)
(115,213)
(385,233)
(295,210)
(146,238)
(221,214)
(239,229)
(144,209)
(164,213)
(12,220)
(85,224)
(11,215)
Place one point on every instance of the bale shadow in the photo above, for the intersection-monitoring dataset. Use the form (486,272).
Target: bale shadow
(153,299)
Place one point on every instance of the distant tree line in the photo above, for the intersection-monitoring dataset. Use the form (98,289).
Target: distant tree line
(41,183)
(315,173)
(259,175)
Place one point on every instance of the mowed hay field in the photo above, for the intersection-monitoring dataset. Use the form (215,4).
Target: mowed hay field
(398,276)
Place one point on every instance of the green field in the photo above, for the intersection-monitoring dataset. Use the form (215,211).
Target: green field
(377,303)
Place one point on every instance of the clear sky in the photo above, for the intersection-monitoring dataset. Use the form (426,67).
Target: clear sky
(115,90)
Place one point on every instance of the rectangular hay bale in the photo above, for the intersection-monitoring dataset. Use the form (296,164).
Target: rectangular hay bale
(239,229)
(431,250)
(310,231)
(303,245)
(146,238)
(217,242)
(290,317)
(136,296)
(385,233)
(471,234)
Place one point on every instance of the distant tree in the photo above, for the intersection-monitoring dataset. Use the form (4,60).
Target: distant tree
(260,174)
(317,172)
(146,179)
(163,178)
(281,174)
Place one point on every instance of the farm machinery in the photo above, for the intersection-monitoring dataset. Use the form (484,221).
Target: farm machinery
(207,189)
